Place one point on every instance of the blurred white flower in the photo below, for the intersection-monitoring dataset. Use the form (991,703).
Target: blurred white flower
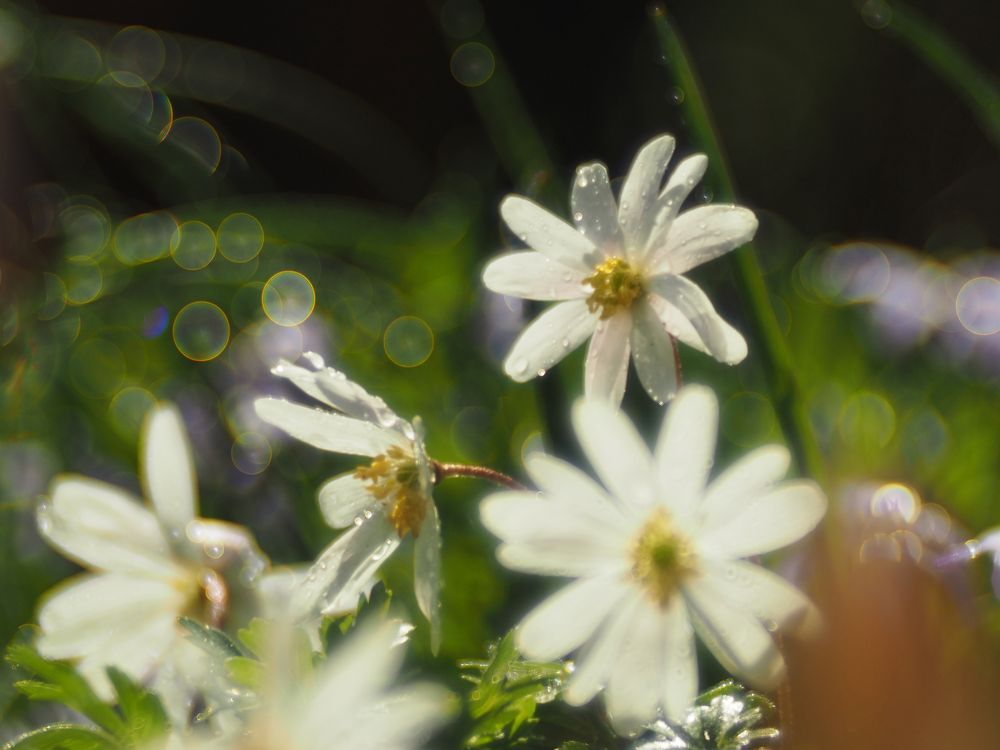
(659,552)
(352,701)
(618,275)
(381,502)
(150,566)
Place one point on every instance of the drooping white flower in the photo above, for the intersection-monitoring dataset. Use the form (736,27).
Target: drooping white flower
(149,566)
(380,503)
(618,275)
(661,550)
(353,701)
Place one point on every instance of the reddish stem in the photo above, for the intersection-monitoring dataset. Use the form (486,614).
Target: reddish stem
(442,471)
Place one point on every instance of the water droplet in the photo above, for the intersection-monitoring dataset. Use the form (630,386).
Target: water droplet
(677,95)
(278,369)
(565,343)
(670,202)
(578,216)
(315,360)
(358,520)
(624,205)
(703,226)
(215,551)
(541,372)
(581,180)
(707,194)
(368,515)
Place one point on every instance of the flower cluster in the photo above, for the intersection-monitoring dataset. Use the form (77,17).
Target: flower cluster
(656,553)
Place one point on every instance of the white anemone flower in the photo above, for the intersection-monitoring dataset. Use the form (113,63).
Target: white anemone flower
(618,275)
(352,701)
(379,503)
(660,551)
(149,566)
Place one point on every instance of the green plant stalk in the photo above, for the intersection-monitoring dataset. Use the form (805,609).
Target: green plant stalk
(976,86)
(778,363)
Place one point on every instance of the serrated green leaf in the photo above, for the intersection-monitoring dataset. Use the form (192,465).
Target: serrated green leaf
(211,640)
(67,686)
(144,715)
(255,636)
(246,671)
(63,737)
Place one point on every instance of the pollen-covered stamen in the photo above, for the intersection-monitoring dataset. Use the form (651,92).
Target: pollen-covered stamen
(662,557)
(394,478)
(616,286)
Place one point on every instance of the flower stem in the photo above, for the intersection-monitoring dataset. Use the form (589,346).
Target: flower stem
(443,471)
(779,367)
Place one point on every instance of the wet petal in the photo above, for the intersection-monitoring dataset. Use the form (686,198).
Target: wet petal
(594,665)
(704,233)
(549,234)
(679,186)
(750,476)
(653,353)
(549,338)
(679,684)
(606,366)
(328,431)
(343,499)
(640,194)
(723,341)
(427,573)
(594,211)
(532,275)
(562,480)
(633,694)
(686,448)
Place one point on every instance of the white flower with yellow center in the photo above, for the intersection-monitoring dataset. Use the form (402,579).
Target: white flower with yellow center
(353,701)
(150,565)
(659,552)
(618,275)
(380,504)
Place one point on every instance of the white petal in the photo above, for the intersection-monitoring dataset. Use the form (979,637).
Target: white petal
(99,525)
(740,643)
(704,233)
(686,448)
(344,498)
(750,476)
(594,665)
(427,572)
(640,193)
(168,468)
(617,453)
(136,652)
(568,618)
(354,674)
(549,338)
(335,389)
(606,366)
(346,568)
(634,686)
(675,323)
(766,522)
(775,602)
(554,536)
(679,185)
(680,668)
(92,611)
(328,431)
(549,234)
(723,341)
(562,480)
(397,720)
(653,353)
(532,275)
(594,211)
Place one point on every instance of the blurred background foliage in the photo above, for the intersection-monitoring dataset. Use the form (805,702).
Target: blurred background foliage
(190,192)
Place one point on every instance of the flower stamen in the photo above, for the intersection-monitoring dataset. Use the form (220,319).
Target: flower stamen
(616,286)
(662,557)
(395,479)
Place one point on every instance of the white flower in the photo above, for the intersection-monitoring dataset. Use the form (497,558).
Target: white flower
(150,565)
(381,502)
(660,551)
(618,275)
(353,701)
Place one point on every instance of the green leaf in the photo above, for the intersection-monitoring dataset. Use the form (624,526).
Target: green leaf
(246,671)
(211,640)
(61,683)
(143,713)
(63,737)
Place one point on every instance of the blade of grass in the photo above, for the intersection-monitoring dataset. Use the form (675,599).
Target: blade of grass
(778,364)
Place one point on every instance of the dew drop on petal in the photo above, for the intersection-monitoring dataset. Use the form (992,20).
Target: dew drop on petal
(578,216)
(315,360)
(582,180)
(541,372)
(565,343)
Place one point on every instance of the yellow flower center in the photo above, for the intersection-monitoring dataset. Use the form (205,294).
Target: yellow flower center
(395,479)
(662,557)
(616,286)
